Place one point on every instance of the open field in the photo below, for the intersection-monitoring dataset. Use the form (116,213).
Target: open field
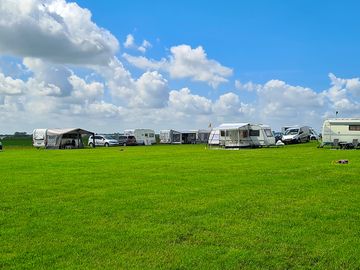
(179,207)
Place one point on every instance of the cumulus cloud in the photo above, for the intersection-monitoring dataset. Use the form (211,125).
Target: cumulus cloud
(185,102)
(344,95)
(10,86)
(149,90)
(54,30)
(249,86)
(130,44)
(186,62)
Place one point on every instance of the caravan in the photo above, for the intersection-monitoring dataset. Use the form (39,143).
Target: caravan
(66,138)
(142,136)
(214,137)
(238,135)
(170,136)
(341,131)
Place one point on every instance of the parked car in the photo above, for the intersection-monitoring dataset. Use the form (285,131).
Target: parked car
(103,140)
(296,135)
(314,135)
(127,140)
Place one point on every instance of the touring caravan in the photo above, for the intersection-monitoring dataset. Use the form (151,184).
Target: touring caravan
(170,136)
(341,131)
(214,137)
(142,136)
(57,138)
(238,135)
(39,138)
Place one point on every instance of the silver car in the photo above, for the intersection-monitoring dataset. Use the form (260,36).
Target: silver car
(102,140)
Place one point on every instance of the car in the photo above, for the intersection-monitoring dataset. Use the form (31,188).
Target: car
(103,140)
(296,135)
(314,135)
(127,140)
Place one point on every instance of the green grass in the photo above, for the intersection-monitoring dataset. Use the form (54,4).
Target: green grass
(17,141)
(179,207)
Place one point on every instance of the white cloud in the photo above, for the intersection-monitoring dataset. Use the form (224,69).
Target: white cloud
(185,102)
(185,62)
(144,46)
(344,94)
(145,63)
(10,86)
(130,44)
(54,30)
(150,90)
(249,86)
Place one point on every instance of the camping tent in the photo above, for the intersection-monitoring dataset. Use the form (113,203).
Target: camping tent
(61,138)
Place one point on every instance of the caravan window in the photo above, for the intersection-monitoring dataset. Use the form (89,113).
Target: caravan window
(268,133)
(243,133)
(146,135)
(222,133)
(254,133)
(151,135)
(354,127)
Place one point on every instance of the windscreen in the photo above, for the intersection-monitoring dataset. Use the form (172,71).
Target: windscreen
(292,131)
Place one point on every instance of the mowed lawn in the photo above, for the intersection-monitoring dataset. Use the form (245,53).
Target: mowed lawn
(179,207)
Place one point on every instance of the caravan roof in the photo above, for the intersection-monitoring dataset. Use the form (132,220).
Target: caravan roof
(232,125)
(343,121)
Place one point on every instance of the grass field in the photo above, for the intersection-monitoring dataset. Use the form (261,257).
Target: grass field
(179,207)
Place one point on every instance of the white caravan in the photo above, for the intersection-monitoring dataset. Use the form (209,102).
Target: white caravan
(214,137)
(343,131)
(170,136)
(66,138)
(238,135)
(39,137)
(143,136)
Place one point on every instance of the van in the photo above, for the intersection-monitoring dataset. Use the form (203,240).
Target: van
(143,136)
(296,135)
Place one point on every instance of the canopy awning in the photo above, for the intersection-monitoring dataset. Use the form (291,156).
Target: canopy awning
(61,131)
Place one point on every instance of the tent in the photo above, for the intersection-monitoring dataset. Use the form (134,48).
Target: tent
(203,135)
(65,138)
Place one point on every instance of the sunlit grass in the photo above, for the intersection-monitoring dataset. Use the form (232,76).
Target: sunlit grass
(179,207)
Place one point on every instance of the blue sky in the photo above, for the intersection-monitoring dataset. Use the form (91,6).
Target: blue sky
(296,41)
(112,65)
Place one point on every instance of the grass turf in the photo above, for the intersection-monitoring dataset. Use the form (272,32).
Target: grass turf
(179,207)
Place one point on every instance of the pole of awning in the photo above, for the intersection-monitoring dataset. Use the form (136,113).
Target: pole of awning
(93,137)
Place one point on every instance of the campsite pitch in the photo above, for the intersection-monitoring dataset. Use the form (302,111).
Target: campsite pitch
(179,207)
